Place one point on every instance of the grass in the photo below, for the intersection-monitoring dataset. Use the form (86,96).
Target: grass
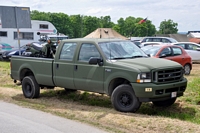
(96,109)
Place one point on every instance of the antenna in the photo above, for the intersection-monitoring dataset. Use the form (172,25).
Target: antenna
(106,31)
(100,33)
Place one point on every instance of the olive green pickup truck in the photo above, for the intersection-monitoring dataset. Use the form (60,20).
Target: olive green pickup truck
(114,67)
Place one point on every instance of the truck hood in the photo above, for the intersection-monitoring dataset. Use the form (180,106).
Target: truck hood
(145,64)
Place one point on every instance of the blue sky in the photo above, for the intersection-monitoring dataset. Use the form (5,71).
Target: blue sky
(184,12)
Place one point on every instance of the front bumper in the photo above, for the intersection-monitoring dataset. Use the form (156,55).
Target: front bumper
(147,92)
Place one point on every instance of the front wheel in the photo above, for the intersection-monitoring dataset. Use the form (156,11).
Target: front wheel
(30,87)
(164,103)
(123,99)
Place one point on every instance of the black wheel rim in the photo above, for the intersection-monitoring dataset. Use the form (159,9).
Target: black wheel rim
(28,89)
(125,100)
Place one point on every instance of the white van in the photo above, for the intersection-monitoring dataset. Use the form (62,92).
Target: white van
(9,39)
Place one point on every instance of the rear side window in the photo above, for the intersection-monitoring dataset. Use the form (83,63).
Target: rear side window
(192,47)
(67,52)
(87,51)
(177,51)
(165,40)
(166,51)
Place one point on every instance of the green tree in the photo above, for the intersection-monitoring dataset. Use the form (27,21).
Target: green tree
(76,26)
(62,23)
(168,27)
(130,27)
(90,24)
(121,26)
(36,15)
(106,22)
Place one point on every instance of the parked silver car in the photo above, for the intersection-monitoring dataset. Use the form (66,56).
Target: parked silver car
(193,49)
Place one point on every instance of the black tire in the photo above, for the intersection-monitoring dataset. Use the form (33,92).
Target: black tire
(187,69)
(30,87)
(164,103)
(70,90)
(123,99)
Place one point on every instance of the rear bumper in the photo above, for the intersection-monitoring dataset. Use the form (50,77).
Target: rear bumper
(147,92)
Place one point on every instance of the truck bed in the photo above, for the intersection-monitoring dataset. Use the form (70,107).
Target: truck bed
(42,67)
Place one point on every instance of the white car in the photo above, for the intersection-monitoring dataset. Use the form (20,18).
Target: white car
(159,39)
(152,43)
(193,49)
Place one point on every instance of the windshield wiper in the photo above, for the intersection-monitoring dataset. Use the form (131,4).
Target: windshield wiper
(119,58)
(138,56)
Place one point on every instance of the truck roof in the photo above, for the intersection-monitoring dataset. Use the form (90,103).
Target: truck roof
(92,40)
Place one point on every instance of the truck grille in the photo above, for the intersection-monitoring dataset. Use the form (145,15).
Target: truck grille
(169,75)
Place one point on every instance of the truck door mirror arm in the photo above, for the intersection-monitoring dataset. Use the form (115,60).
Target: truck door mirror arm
(96,60)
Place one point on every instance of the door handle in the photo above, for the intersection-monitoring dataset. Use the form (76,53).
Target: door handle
(57,66)
(75,67)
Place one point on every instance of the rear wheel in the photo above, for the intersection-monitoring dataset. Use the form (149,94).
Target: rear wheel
(123,99)
(164,103)
(187,69)
(30,87)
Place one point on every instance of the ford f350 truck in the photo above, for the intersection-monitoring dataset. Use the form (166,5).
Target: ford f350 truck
(114,67)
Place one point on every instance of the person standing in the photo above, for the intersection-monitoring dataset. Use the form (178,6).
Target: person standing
(48,49)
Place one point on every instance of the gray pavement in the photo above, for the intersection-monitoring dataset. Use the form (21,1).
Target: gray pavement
(16,119)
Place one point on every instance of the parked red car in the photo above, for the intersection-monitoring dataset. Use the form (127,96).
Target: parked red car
(170,52)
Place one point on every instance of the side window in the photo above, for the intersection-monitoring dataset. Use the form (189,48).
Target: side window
(67,52)
(24,35)
(166,51)
(182,45)
(87,51)
(149,40)
(165,40)
(144,40)
(156,40)
(177,51)
(192,47)
(3,33)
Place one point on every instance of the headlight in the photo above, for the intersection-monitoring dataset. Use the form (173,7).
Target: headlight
(144,77)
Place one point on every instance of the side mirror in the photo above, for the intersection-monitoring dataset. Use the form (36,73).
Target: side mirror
(162,55)
(96,60)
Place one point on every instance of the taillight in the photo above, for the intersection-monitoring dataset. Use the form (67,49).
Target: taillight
(10,65)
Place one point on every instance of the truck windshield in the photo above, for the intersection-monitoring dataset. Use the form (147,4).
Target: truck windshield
(121,50)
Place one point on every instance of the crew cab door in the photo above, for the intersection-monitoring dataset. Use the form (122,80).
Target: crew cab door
(86,76)
(64,66)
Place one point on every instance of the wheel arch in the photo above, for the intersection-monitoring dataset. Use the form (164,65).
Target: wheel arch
(116,82)
(25,72)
